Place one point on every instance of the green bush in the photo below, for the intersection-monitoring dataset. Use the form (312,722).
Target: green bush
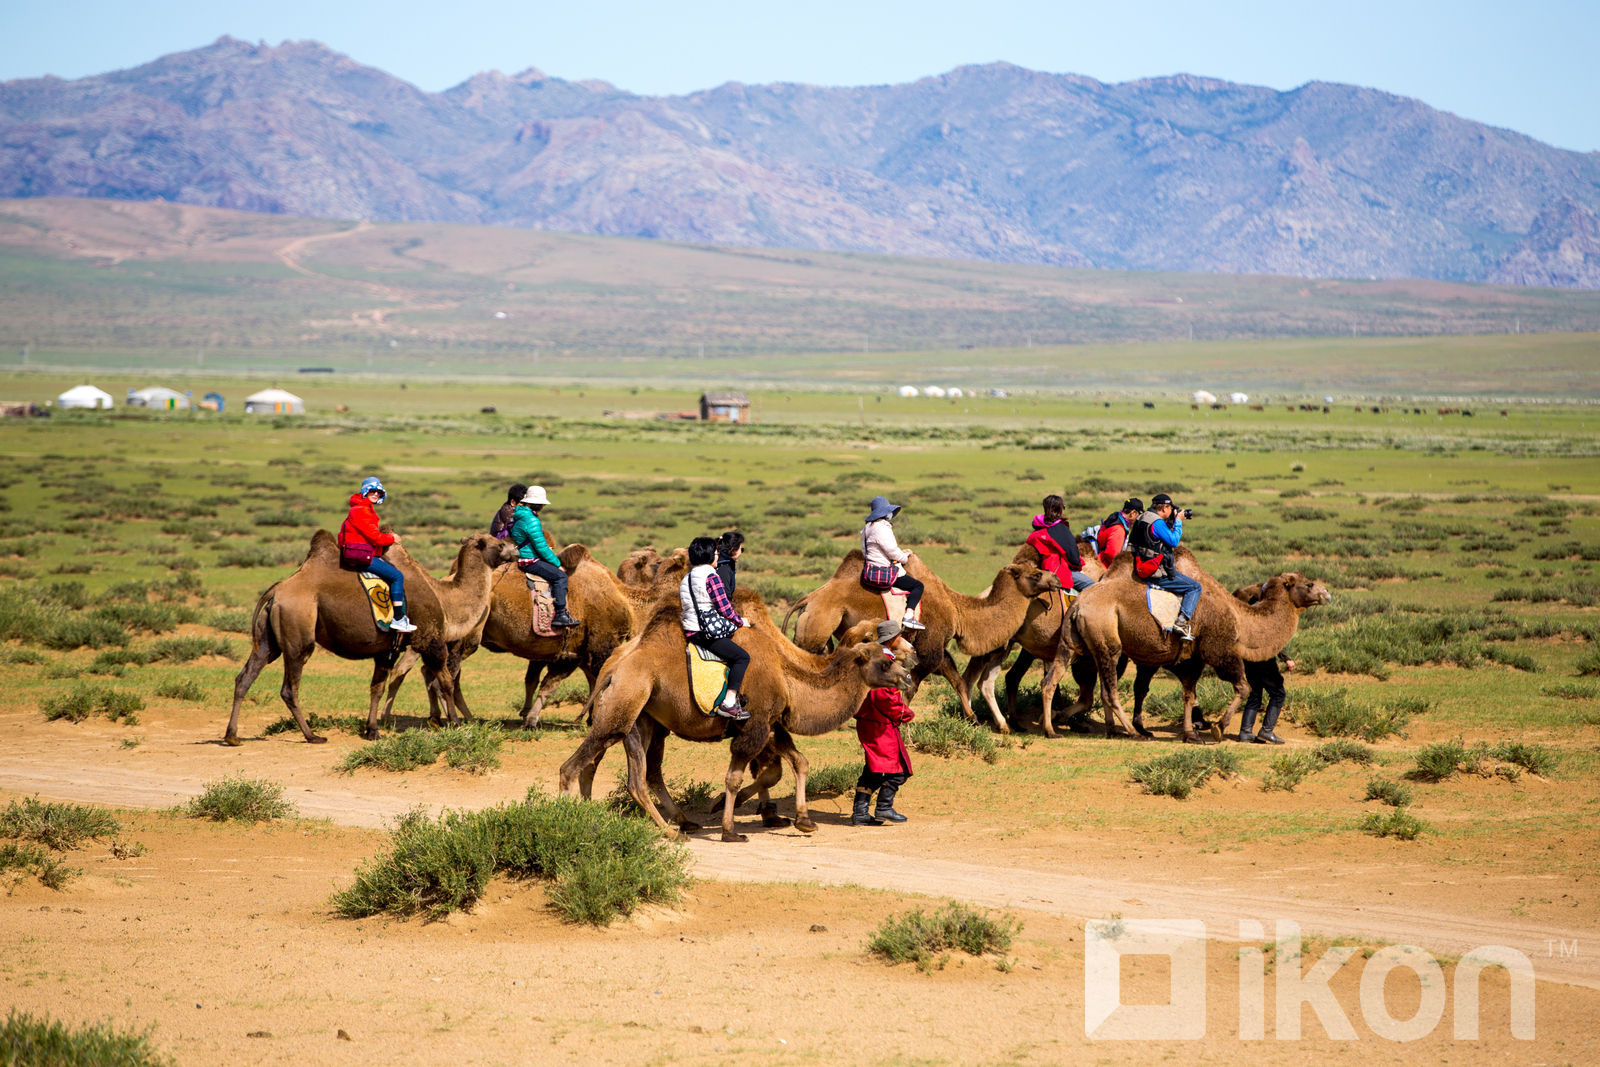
(1391,793)
(692,794)
(185,649)
(350,724)
(84,631)
(18,862)
(1335,714)
(951,736)
(833,780)
(1180,773)
(85,700)
(1342,751)
(1535,759)
(26,1041)
(927,940)
(602,865)
(1290,769)
(240,799)
(1398,823)
(1588,664)
(184,689)
(57,826)
(1446,759)
(473,747)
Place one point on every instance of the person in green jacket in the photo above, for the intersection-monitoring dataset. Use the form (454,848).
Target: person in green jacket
(537,556)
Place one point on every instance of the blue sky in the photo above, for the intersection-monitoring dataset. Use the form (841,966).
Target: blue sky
(1531,66)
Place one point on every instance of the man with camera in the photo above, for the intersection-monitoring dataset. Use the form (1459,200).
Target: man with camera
(1154,535)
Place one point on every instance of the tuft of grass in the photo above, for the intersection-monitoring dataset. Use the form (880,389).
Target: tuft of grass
(1179,774)
(1342,751)
(185,649)
(1588,665)
(927,940)
(1393,794)
(835,779)
(1398,823)
(473,747)
(692,794)
(1290,769)
(601,865)
(952,736)
(57,826)
(240,799)
(1446,759)
(1535,759)
(27,1040)
(350,724)
(18,862)
(1335,714)
(1573,691)
(85,700)
(186,689)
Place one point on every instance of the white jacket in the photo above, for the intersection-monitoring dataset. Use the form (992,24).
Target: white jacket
(879,546)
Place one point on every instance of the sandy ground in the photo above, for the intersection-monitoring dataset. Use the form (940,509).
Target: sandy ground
(220,935)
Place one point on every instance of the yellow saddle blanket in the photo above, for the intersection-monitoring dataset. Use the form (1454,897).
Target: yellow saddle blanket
(1163,606)
(708,678)
(377,591)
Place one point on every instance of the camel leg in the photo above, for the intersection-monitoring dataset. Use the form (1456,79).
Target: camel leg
(1013,680)
(1107,666)
(766,771)
(397,677)
(458,702)
(747,745)
(530,687)
(730,786)
(263,652)
(533,705)
(1142,676)
(441,683)
(800,765)
(1232,673)
(614,708)
(294,661)
(947,670)
(655,779)
(380,677)
(633,745)
(1047,690)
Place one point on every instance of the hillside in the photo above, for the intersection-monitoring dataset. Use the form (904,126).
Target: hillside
(991,163)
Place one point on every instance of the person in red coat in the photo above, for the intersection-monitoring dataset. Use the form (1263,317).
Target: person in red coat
(361,545)
(1058,549)
(888,763)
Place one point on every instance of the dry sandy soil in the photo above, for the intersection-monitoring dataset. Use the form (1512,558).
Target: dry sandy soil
(221,936)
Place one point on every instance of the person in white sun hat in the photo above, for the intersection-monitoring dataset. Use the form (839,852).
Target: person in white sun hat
(537,556)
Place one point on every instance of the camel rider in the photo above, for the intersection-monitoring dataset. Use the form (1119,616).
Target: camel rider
(710,621)
(500,525)
(1112,536)
(361,545)
(1152,539)
(883,568)
(730,546)
(1058,549)
(537,557)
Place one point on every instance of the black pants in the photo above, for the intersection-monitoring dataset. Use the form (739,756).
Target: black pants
(872,781)
(737,658)
(552,574)
(911,588)
(1264,676)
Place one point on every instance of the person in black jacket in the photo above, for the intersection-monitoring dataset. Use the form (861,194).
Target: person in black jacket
(730,546)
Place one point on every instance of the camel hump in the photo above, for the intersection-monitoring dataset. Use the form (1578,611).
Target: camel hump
(573,556)
(324,548)
(1027,554)
(850,566)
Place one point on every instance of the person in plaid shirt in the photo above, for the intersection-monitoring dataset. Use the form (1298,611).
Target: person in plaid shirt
(710,621)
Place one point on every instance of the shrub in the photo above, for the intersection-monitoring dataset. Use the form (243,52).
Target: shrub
(20,861)
(113,660)
(57,826)
(1391,793)
(952,736)
(926,940)
(1535,759)
(1573,691)
(1398,823)
(185,689)
(1290,769)
(184,649)
(473,747)
(85,700)
(84,631)
(26,1040)
(601,864)
(833,780)
(1445,759)
(1334,714)
(288,517)
(1180,773)
(1341,751)
(247,800)
(691,793)
(234,620)
(1588,664)
(350,724)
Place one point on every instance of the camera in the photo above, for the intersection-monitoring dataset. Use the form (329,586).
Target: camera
(1187,513)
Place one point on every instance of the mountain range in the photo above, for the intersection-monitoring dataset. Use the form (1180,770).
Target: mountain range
(991,162)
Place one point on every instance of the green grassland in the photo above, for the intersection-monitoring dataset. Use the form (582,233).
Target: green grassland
(91,284)
(1463,554)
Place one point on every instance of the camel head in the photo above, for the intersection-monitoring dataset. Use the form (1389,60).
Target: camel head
(640,566)
(866,633)
(1304,592)
(880,671)
(572,556)
(493,550)
(1031,580)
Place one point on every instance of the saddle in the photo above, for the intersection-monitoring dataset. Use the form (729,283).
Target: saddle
(544,606)
(708,678)
(377,591)
(1163,607)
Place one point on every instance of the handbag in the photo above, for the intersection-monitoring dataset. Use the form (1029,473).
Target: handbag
(356,556)
(717,626)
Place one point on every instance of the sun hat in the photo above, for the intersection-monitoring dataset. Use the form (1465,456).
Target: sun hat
(535,495)
(882,509)
(369,483)
(888,630)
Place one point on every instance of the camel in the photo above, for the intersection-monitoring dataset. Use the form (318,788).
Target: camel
(602,605)
(784,691)
(321,604)
(979,624)
(1110,620)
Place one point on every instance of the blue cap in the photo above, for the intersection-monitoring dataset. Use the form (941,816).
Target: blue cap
(369,483)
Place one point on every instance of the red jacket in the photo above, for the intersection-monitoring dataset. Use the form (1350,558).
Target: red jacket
(361,526)
(1110,541)
(878,728)
(1053,557)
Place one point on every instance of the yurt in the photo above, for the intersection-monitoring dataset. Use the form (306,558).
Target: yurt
(1238,398)
(935,391)
(274,402)
(158,397)
(909,391)
(84,396)
(1202,397)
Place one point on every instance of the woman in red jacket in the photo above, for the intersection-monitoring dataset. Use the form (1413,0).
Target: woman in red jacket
(1058,549)
(888,763)
(361,545)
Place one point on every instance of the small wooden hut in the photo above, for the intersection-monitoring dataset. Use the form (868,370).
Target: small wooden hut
(724,407)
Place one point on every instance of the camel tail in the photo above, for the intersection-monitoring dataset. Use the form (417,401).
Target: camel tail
(798,607)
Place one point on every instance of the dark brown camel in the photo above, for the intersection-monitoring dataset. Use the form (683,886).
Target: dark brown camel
(322,604)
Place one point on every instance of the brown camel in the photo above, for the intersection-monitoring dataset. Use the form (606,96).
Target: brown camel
(1110,620)
(321,604)
(647,677)
(979,624)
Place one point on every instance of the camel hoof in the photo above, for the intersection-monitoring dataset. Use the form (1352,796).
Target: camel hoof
(1144,735)
(1193,738)
(735,838)
(371,734)
(805,826)
(775,821)
(316,739)
(687,827)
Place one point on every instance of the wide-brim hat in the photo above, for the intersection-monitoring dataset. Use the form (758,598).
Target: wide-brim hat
(535,495)
(888,630)
(881,509)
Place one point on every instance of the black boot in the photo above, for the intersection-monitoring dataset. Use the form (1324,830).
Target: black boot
(1266,736)
(562,619)
(885,806)
(859,816)
(1247,722)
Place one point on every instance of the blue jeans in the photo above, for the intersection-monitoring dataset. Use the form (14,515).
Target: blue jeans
(1182,585)
(1081,581)
(552,574)
(397,582)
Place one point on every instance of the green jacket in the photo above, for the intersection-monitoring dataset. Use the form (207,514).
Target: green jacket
(528,535)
